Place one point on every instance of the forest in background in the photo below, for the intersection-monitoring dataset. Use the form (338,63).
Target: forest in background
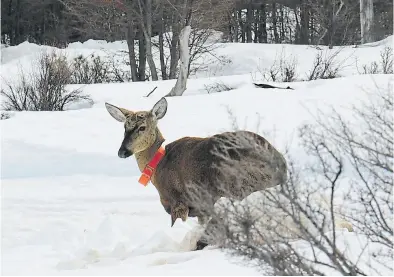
(59,22)
(155,26)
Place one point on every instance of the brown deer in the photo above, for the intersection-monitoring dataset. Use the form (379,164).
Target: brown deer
(206,167)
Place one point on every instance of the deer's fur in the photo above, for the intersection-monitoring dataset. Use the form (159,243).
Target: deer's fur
(199,162)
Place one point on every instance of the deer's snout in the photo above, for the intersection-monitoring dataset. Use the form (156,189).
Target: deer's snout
(124,153)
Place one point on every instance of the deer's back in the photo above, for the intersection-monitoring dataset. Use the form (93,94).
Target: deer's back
(231,164)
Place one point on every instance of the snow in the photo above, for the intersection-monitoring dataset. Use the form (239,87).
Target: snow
(70,206)
(61,227)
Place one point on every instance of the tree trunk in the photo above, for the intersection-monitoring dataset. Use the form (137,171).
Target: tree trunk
(242,26)
(142,57)
(230,31)
(249,22)
(331,29)
(133,63)
(180,85)
(18,38)
(304,24)
(256,26)
(174,50)
(130,37)
(366,20)
(312,27)
(149,58)
(298,27)
(274,21)
(163,67)
(282,25)
(147,29)
(236,27)
(263,24)
(231,27)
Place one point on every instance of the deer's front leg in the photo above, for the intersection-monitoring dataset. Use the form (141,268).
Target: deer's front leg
(166,205)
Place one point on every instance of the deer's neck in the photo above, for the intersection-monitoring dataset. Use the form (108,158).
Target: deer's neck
(144,157)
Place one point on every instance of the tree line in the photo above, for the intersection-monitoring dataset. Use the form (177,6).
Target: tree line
(60,22)
(154,26)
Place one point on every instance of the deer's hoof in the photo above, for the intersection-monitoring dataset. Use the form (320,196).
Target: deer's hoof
(200,245)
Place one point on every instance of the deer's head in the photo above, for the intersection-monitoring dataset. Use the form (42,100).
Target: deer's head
(139,127)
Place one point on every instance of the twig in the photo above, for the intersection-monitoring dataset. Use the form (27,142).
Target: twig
(151,92)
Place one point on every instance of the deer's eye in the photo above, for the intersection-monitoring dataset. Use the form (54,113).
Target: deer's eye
(142,128)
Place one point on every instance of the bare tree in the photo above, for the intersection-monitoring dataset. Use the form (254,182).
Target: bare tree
(130,37)
(330,17)
(304,18)
(145,16)
(180,85)
(366,20)
(192,42)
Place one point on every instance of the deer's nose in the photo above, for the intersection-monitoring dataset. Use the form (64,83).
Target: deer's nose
(124,153)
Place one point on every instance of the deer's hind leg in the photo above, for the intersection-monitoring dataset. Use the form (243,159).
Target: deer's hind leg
(213,233)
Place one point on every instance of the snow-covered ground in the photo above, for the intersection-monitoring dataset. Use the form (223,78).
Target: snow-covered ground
(70,206)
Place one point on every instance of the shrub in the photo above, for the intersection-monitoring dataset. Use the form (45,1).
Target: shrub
(44,89)
(217,87)
(324,66)
(384,66)
(297,227)
(95,69)
(4,115)
(283,69)
(89,70)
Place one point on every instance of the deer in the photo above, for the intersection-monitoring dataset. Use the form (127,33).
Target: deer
(197,164)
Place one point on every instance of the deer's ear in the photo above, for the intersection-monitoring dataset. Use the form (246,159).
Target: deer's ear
(160,108)
(118,113)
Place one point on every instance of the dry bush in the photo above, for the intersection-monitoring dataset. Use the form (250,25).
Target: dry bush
(295,228)
(44,89)
(284,69)
(386,59)
(95,69)
(372,68)
(4,115)
(369,150)
(325,66)
(200,46)
(117,63)
(89,70)
(383,66)
(217,87)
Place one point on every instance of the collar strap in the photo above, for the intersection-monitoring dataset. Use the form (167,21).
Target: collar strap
(151,166)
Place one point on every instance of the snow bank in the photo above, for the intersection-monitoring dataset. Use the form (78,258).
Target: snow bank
(237,58)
